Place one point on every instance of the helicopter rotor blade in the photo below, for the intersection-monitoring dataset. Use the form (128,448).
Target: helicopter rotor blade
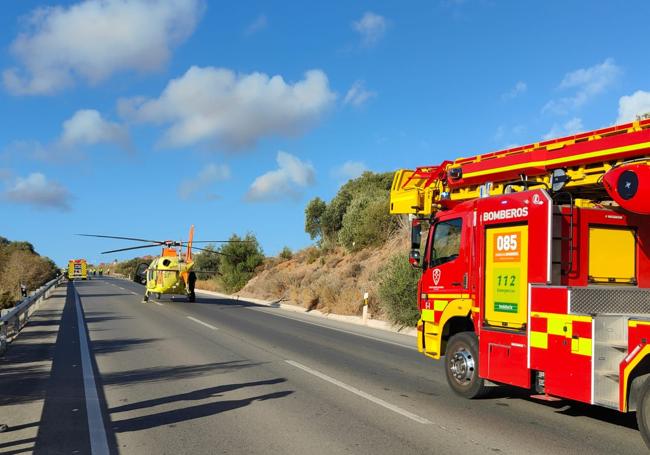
(212,251)
(131,248)
(122,238)
(222,241)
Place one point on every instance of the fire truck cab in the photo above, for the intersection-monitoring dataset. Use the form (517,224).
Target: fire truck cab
(536,268)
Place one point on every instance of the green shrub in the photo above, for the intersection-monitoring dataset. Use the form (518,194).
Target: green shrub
(128,268)
(286,253)
(313,253)
(239,261)
(207,262)
(398,287)
(367,222)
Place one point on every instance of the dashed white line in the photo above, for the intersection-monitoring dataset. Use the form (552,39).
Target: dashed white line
(98,440)
(360,393)
(202,323)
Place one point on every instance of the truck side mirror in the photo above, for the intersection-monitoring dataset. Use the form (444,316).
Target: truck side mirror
(414,259)
(416,234)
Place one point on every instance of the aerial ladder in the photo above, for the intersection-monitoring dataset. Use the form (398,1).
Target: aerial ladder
(535,271)
(576,164)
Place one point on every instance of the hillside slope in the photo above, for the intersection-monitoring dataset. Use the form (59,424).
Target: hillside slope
(330,280)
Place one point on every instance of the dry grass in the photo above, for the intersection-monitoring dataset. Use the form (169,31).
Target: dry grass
(208,285)
(331,281)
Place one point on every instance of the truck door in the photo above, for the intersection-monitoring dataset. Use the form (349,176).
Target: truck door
(506,276)
(447,260)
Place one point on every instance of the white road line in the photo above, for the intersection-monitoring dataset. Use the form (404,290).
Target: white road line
(272,312)
(159,304)
(98,440)
(202,323)
(361,393)
(134,293)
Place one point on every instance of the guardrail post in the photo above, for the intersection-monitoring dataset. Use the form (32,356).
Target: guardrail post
(365,309)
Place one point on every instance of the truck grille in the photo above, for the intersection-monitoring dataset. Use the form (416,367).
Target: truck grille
(609,300)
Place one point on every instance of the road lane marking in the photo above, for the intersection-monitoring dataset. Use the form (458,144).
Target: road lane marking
(272,312)
(202,323)
(158,303)
(361,393)
(98,440)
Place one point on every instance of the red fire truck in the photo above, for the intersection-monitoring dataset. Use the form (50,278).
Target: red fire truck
(536,267)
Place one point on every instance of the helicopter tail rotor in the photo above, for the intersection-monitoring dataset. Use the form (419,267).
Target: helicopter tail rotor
(189,244)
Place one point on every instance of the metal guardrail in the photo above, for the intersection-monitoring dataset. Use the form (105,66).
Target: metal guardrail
(12,322)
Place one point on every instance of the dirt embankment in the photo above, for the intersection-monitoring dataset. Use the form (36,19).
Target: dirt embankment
(332,281)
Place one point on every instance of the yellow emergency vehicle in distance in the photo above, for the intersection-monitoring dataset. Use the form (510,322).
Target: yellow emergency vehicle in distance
(77,269)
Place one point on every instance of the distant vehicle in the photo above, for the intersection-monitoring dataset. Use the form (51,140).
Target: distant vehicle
(172,273)
(77,269)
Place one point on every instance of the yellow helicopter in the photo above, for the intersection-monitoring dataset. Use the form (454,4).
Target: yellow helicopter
(172,273)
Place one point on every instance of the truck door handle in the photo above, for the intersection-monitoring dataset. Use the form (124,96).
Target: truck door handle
(456,283)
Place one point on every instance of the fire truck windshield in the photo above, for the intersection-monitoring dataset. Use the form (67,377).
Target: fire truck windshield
(446,242)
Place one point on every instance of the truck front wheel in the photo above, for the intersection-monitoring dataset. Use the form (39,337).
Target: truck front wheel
(461,366)
(643,412)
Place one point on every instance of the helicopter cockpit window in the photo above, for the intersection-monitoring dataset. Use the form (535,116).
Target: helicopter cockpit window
(166,262)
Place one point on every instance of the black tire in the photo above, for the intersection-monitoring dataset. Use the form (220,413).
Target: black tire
(643,412)
(191,281)
(461,366)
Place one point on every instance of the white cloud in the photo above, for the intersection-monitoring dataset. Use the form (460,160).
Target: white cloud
(632,105)
(371,27)
(358,95)
(587,83)
(259,24)
(519,89)
(350,170)
(569,128)
(210,174)
(288,180)
(37,191)
(85,128)
(95,39)
(217,105)
(88,127)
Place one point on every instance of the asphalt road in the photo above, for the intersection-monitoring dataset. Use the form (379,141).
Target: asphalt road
(223,376)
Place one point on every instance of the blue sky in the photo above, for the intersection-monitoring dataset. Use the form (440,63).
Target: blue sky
(141,117)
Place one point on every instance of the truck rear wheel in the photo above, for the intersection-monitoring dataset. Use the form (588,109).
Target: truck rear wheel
(461,366)
(643,412)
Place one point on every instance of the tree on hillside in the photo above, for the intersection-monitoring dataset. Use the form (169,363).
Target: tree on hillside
(367,222)
(239,261)
(207,261)
(314,217)
(357,216)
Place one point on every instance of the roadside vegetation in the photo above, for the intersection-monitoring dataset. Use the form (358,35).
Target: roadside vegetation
(359,247)
(20,263)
